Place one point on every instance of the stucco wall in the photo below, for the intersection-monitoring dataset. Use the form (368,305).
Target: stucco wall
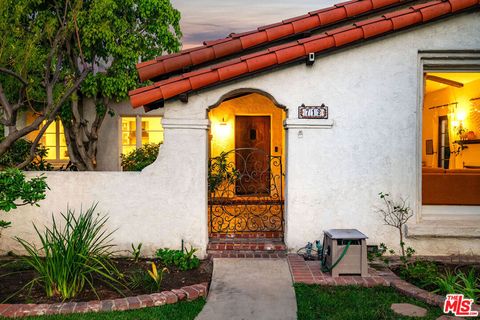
(333,175)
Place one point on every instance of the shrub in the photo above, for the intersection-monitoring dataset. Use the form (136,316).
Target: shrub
(420,273)
(19,151)
(140,158)
(16,190)
(184,260)
(73,254)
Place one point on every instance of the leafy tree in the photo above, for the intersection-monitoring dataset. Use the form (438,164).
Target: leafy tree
(35,72)
(140,158)
(56,53)
(115,34)
(16,190)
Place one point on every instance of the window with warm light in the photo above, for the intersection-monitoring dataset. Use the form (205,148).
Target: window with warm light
(140,130)
(53,139)
(451,139)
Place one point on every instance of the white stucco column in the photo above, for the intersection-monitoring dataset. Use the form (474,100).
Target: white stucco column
(301,137)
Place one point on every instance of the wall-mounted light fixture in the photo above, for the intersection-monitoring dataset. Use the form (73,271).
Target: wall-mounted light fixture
(310,59)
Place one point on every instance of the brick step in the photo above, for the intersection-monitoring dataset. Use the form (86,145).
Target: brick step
(249,235)
(247,248)
(245,254)
(246,240)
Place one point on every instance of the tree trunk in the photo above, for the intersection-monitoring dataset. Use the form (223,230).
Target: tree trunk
(82,139)
(402,244)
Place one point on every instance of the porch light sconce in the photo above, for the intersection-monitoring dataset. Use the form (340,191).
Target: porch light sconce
(310,59)
(223,122)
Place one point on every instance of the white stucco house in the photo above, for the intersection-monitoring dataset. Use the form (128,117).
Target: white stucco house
(314,116)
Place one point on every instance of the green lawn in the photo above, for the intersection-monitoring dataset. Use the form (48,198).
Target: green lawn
(356,303)
(179,311)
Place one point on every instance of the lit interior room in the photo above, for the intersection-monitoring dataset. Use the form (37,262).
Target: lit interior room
(451,139)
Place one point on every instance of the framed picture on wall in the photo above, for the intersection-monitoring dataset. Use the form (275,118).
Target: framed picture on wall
(429,147)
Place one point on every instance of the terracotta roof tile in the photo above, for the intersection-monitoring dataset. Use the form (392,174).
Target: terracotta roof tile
(202,55)
(238,42)
(254,39)
(320,44)
(253,55)
(341,4)
(279,31)
(296,50)
(364,22)
(342,38)
(204,80)
(240,34)
(232,71)
(296,18)
(432,12)
(339,30)
(382,3)
(214,42)
(306,24)
(359,7)
(406,20)
(331,16)
(177,63)
(376,28)
(461,4)
(288,54)
(226,48)
(261,62)
(398,13)
(228,63)
(173,89)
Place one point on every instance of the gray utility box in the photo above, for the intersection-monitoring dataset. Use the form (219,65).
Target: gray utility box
(355,259)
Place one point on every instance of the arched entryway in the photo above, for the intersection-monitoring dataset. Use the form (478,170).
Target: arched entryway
(246,166)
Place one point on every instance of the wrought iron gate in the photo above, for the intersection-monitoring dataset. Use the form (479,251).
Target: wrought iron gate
(245,192)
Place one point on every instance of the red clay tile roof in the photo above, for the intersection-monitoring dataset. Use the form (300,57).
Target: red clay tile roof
(238,42)
(296,50)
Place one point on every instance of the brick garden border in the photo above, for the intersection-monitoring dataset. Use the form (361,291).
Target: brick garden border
(309,272)
(129,303)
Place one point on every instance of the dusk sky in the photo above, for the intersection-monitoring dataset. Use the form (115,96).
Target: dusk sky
(214,19)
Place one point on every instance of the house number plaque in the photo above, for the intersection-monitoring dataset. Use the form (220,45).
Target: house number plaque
(313,112)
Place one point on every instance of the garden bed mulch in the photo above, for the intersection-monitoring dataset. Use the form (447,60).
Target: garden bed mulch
(15,275)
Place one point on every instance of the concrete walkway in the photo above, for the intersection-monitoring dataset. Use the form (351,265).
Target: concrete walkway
(250,289)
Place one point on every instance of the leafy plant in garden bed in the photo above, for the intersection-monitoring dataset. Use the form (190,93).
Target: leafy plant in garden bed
(72,254)
(149,279)
(442,279)
(182,259)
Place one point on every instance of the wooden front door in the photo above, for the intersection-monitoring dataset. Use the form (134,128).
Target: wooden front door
(253,132)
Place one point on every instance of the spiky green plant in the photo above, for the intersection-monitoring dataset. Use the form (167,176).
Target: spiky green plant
(72,254)
(447,283)
(469,284)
